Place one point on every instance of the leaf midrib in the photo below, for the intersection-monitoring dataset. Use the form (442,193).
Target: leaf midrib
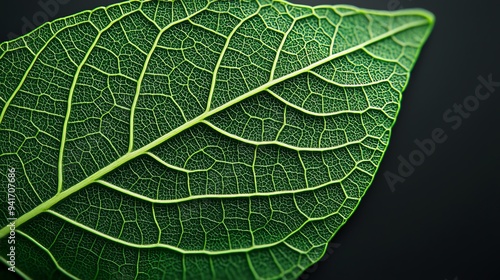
(131,155)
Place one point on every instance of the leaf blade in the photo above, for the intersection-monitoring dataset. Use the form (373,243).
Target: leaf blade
(262,248)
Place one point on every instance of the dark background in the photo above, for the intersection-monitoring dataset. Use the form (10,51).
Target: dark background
(442,222)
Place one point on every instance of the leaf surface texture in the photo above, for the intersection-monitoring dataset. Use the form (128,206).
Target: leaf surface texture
(197,139)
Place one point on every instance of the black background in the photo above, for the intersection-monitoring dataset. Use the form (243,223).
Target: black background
(442,222)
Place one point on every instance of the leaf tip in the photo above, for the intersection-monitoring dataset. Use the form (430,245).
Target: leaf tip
(431,18)
(427,15)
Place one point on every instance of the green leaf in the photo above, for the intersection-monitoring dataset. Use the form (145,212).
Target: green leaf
(195,139)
